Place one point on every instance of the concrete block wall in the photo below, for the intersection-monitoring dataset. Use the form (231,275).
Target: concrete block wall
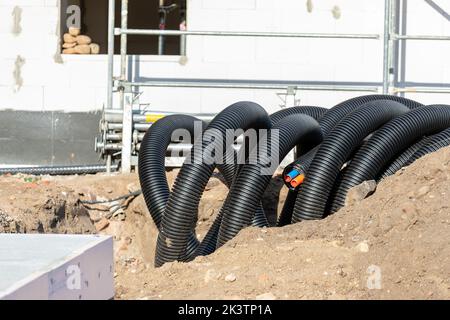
(78,83)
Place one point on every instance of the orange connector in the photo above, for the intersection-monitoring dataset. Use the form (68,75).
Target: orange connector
(298,180)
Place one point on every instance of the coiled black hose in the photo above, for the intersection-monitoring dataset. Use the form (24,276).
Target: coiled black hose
(432,144)
(331,118)
(335,114)
(209,242)
(364,133)
(152,175)
(335,150)
(403,158)
(252,181)
(312,111)
(424,146)
(302,166)
(181,210)
(230,170)
(387,142)
(151,162)
(327,122)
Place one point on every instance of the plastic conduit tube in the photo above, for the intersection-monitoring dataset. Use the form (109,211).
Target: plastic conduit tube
(181,211)
(387,142)
(253,179)
(334,115)
(208,244)
(335,150)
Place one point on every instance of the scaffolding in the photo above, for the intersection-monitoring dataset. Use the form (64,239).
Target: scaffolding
(133,125)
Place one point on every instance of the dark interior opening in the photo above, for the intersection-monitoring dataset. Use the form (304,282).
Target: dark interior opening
(142,14)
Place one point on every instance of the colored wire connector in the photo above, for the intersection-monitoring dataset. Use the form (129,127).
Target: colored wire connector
(298,180)
(291,175)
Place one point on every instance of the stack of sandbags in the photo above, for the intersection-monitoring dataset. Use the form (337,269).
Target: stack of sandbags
(75,43)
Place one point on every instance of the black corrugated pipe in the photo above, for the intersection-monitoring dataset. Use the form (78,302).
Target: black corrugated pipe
(151,162)
(402,160)
(362,134)
(208,244)
(182,206)
(327,122)
(230,170)
(151,165)
(334,152)
(387,142)
(285,216)
(252,180)
(422,147)
(338,112)
(434,143)
(302,166)
(312,111)
(152,175)
(331,118)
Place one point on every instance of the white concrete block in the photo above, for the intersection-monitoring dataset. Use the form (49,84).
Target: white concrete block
(429,98)
(255,71)
(87,72)
(6,74)
(26,98)
(80,98)
(303,21)
(56,267)
(230,4)
(24,3)
(307,71)
(6,19)
(194,48)
(100,97)
(27,46)
(39,20)
(254,20)
(215,100)
(425,60)
(207,19)
(180,100)
(51,3)
(45,72)
(228,50)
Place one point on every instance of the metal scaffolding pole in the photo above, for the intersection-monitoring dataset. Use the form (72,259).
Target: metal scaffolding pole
(161,25)
(125,96)
(110,81)
(422,90)
(386,45)
(420,37)
(156,32)
(190,83)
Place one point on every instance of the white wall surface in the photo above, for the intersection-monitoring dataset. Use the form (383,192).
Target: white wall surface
(78,83)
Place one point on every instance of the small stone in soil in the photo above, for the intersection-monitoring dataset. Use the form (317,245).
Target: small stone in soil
(363,247)
(266,296)
(230,277)
(102,224)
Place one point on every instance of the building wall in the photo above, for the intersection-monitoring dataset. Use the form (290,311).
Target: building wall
(34,77)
